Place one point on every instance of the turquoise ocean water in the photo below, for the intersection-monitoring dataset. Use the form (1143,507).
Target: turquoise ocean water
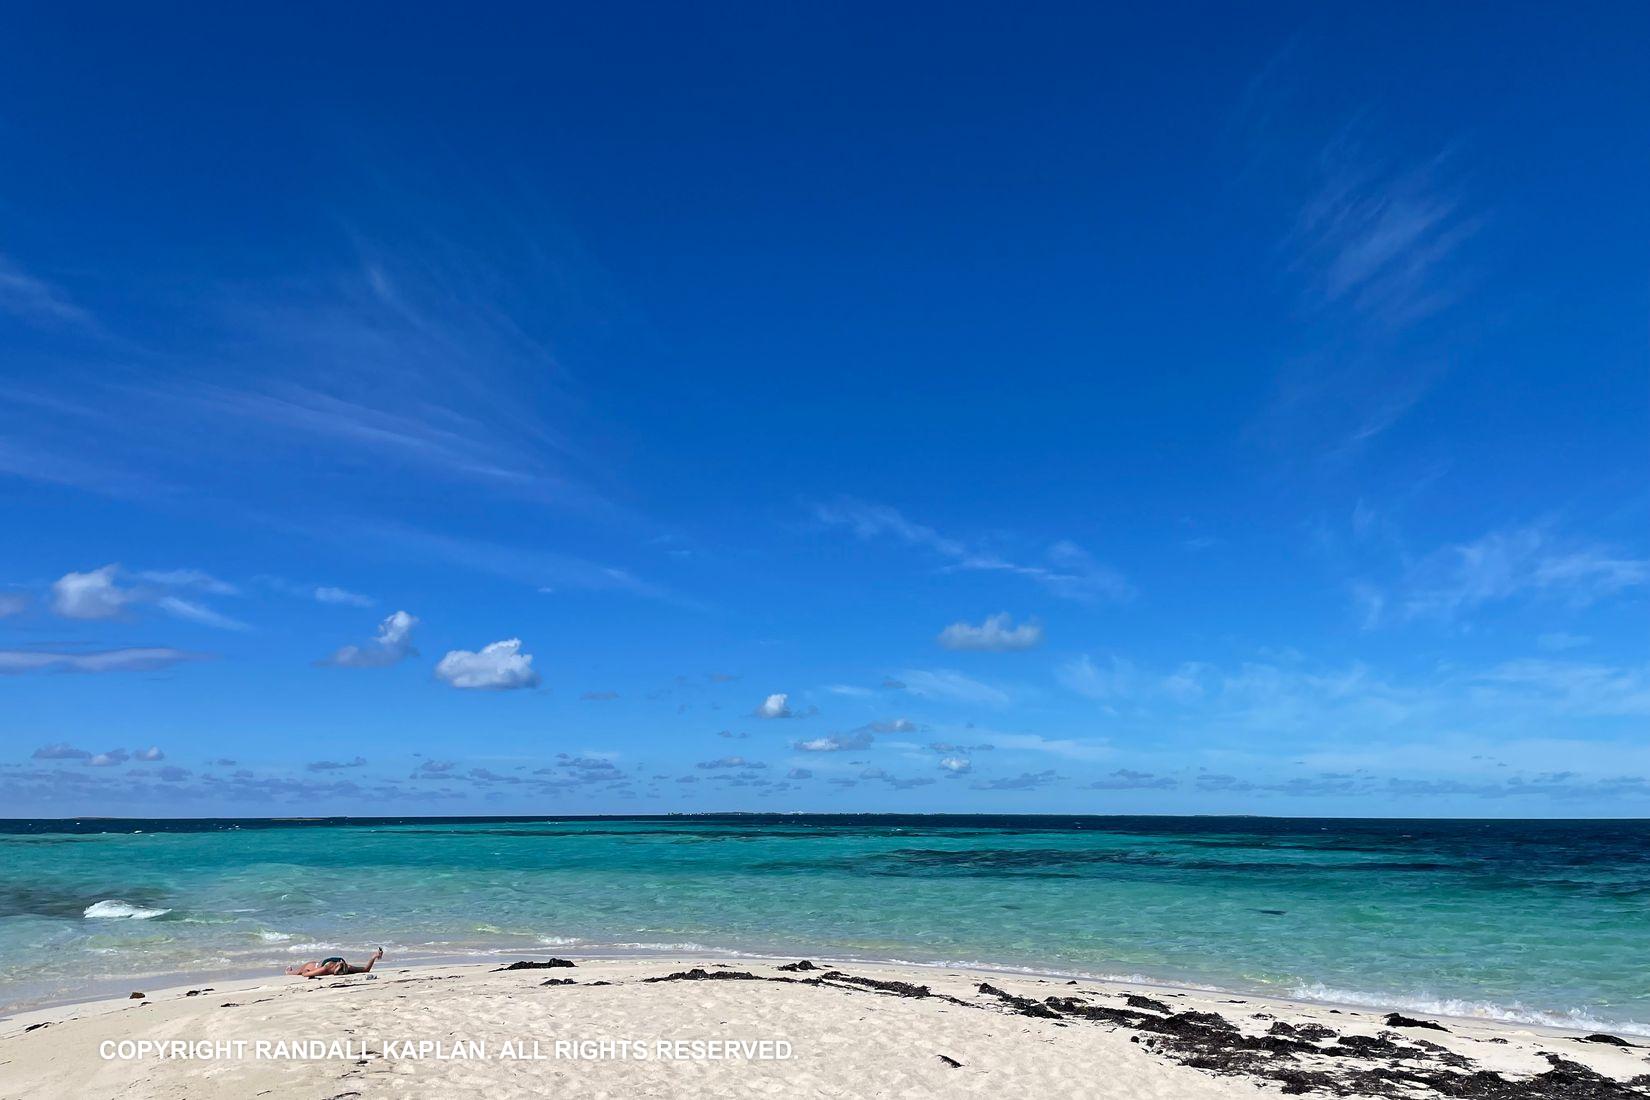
(1537,921)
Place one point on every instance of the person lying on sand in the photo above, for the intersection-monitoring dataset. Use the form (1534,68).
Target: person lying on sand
(335,965)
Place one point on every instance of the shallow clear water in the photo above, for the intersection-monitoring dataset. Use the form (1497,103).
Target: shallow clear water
(1539,921)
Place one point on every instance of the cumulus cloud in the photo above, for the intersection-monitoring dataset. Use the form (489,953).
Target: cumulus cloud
(837,742)
(799,773)
(98,594)
(1125,779)
(327,593)
(729,762)
(140,659)
(1025,781)
(392,643)
(62,750)
(501,666)
(956,765)
(335,765)
(997,634)
(108,759)
(92,595)
(774,706)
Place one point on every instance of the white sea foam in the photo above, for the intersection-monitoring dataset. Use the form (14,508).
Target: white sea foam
(559,941)
(1573,1019)
(115,909)
(272,937)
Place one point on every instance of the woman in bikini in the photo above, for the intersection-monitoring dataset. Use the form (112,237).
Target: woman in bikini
(334,965)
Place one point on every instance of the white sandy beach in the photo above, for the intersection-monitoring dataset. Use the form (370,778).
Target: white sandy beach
(474,1030)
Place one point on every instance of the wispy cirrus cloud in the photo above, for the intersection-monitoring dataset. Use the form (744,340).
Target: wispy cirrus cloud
(37,301)
(133,659)
(1065,569)
(1515,562)
(951,685)
(1289,700)
(1376,243)
(1379,238)
(327,593)
(196,612)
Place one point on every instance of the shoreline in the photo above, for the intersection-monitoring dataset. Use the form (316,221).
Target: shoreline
(1043,1031)
(1366,1003)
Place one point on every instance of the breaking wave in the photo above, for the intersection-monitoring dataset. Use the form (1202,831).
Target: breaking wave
(1572,1019)
(115,909)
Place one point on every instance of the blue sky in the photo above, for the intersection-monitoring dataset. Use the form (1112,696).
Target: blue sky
(629,410)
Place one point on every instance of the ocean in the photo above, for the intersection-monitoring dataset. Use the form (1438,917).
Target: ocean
(1535,921)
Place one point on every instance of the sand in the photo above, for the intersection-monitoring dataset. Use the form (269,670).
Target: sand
(836,1038)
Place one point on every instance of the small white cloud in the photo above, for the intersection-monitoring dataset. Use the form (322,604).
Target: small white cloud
(392,643)
(957,765)
(93,595)
(500,666)
(329,594)
(837,742)
(997,634)
(774,706)
(152,753)
(109,759)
